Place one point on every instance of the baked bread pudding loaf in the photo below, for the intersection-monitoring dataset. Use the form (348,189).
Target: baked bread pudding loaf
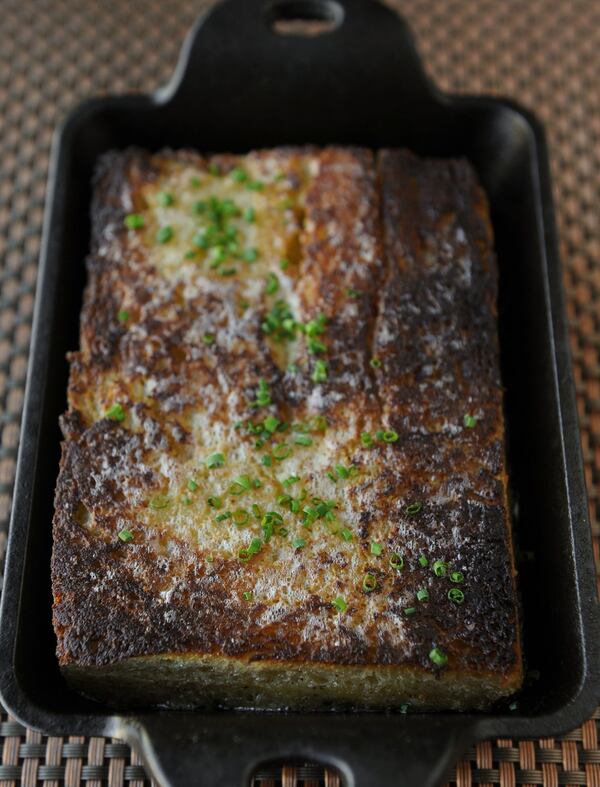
(283,479)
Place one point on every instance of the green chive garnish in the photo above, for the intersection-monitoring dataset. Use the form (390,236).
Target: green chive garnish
(266,460)
(438,657)
(199,206)
(375,548)
(470,421)
(240,517)
(456,595)
(440,569)
(187,501)
(319,374)
(281,451)
(316,346)
(123,316)
(303,439)
(247,594)
(116,413)
(283,264)
(238,175)
(413,508)
(423,561)
(375,363)
(422,595)
(263,397)
(340,604)
(215,460)
(192,485)
(366,439)
(125,535)
(352,293)
(189,255)
(195,183)
(298,543)
(164,234)
(272,284)
(397,561)
(457,577)
(290,480)
(251,255)
(346,534)
(408,611)
(271,423)
(222,517)
(369,583)
(208,339)
(255,185)
(390,436)
(250,215)
(164,198)
(214,502)
(134,221)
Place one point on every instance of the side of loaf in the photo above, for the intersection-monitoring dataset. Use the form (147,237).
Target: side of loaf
(283,479)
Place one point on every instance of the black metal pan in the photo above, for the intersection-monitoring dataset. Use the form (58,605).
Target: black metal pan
(241,85)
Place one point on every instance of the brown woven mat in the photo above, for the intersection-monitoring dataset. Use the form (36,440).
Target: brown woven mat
(544,53)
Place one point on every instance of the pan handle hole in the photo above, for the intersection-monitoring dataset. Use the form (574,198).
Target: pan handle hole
(304,17)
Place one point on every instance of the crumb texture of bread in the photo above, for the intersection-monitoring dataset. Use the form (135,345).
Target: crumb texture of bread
(283,478)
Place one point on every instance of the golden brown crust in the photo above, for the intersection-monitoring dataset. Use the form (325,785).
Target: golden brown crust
(398,259)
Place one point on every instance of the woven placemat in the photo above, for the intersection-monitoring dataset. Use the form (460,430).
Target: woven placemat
(544,53)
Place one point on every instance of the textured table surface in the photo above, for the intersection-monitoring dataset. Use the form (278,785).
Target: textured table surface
(53,53)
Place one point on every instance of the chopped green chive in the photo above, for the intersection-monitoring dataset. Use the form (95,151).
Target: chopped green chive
(263,397)
(199,206)
(123,316)
(345,472)
(340,604)
(283,264)
(375,363)
(247,594)
(125,535)
(239,485)
(238,174)
(298,543)
(316,346)
(215,460)
(369,583)
(366,439)
(240,517)
(408,611)
(470,421)
(164,234)
(346,534)
(266,460)
(116,413)
(456,595)
(187,501)
(375,548)
(255,185)
(293,479)
(189,255)
(215,502)
(281,451)
(397,561)
(134,221)
(228,271)
(159,501)
(250,215)
(208,339)
(379,434)
(251,255)
(271,423)
(272,284)
(195,183)
(319,374)
(192,485)
(352,293)
(457,577)
(413,508)
(440,569)
(303,439)
(390,436)
(422,595)
(438,657)
(222,517)
(164,198)
(423,561)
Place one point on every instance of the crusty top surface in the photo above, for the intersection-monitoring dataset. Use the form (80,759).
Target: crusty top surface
(365,366)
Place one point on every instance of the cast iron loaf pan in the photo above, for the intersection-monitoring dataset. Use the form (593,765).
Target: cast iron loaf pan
(239,85)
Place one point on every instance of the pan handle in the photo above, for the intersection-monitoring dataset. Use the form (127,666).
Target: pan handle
(225,749)
(234,57)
